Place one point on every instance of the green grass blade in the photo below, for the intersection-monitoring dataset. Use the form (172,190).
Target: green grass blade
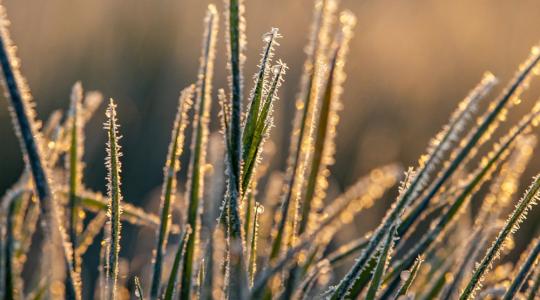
(524,271)
(113,165)
(512,225)
(74,167)
(382,264)
(355,280)
(172,166)
(235,39)
(177,264)
(256,96)
(199,142)
(262,126)
(258,209)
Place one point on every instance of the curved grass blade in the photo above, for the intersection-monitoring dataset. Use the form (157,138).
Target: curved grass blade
(114,212)
(177,264)
(27,130)
(512,225)
(172,166)
(199,142)
(524,271)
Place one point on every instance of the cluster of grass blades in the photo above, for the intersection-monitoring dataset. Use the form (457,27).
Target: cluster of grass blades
(259,245)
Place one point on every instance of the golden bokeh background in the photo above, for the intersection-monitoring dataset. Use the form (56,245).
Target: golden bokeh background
(410,63)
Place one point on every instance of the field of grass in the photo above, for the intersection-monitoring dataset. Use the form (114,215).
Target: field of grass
(446,235)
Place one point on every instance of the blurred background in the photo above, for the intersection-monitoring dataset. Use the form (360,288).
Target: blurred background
(409,65)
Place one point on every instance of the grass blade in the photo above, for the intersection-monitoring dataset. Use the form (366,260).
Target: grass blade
(235,38)
(262,127)
(113,165)
(172,166)
(258,209)
(260,87)
(382,264)
(178,261)
(195,184)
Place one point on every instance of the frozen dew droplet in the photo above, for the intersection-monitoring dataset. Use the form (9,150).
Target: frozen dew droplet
(405,275)
(276,69)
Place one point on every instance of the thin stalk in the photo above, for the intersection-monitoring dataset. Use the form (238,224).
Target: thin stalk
(172,166)
(382,264)
(235,38)
(177,264)
(199,142)
(115,198)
